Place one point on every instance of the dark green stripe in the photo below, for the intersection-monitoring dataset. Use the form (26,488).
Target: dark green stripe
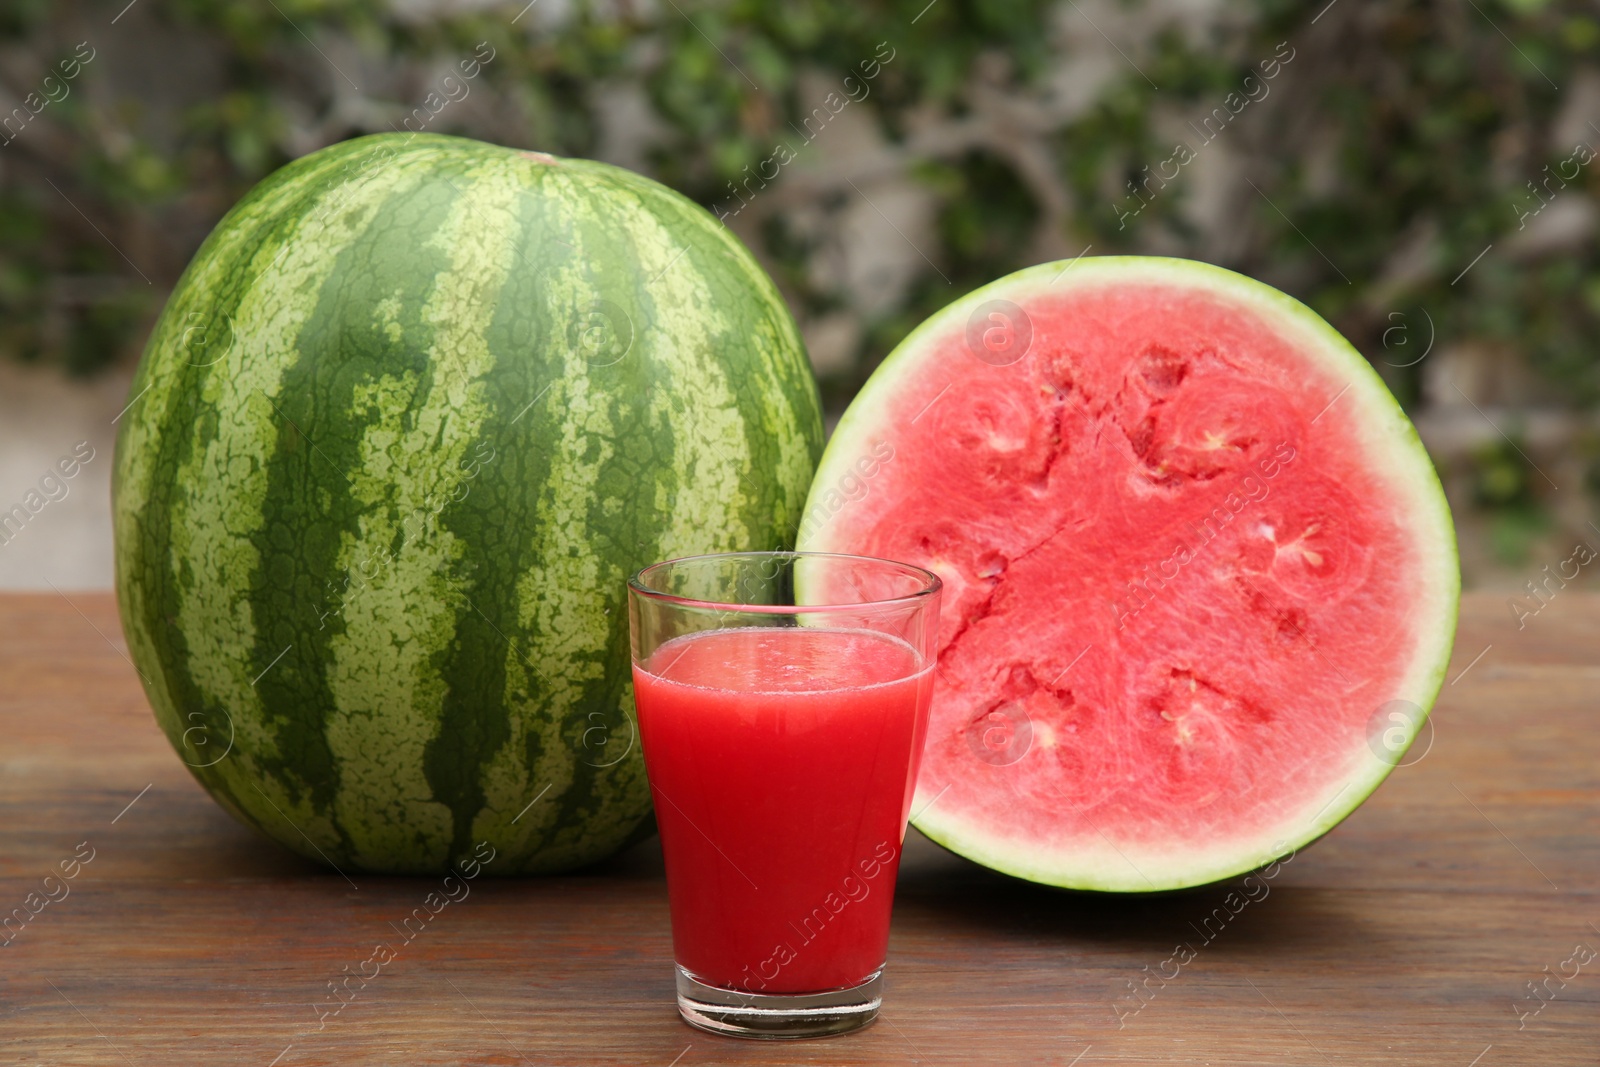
(494,523)
(530,338)
(760,353)
(308,504)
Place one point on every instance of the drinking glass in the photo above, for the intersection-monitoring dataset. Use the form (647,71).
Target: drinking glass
(782,701)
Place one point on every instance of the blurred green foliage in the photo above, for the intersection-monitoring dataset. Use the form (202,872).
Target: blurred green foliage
(1397,144)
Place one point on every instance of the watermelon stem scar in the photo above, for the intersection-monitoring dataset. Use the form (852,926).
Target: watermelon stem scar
(1209,460)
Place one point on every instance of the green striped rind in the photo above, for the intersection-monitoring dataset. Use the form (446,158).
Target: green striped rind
(1381,432)
(410,418)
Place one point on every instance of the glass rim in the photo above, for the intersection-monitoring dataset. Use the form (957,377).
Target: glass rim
(931,583)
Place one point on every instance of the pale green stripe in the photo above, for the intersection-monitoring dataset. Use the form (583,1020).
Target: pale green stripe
(388,694)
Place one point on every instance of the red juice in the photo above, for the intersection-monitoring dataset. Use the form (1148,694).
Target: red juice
(782,761)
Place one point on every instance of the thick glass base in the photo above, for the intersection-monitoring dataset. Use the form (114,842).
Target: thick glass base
(777,1016)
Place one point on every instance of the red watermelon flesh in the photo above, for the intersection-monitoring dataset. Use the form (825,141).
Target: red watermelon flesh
(1195,557)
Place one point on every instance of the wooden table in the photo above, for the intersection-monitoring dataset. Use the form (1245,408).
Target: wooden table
(1408,936)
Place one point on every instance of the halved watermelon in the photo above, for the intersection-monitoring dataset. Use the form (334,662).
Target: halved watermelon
(1201,579)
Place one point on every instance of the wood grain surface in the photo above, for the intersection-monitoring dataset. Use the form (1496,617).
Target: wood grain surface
(1410,935)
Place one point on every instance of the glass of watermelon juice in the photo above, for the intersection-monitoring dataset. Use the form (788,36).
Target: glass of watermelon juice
(782,700)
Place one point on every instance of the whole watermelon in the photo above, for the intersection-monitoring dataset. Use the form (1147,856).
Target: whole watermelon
(409,420)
